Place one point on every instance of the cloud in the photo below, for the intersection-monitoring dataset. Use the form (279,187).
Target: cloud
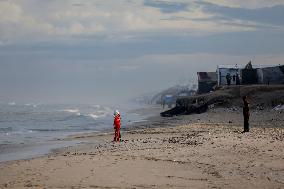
(40,20)
(166,6)
(104,50)
(250,4)
(272,16)
(15,23)
(33,20)
(120,29)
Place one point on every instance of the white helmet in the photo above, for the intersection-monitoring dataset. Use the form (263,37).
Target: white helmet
(116,112)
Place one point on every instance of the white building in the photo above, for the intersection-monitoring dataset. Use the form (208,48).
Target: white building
(259,74)
(232,70)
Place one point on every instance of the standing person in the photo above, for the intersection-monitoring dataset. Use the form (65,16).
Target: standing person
(237,79)
(116,126)
(246,114)
(163,102)
(228,78)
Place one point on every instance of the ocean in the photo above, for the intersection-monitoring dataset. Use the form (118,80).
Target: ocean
(31,130)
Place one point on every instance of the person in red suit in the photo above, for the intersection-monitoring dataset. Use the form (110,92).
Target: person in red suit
(116,126)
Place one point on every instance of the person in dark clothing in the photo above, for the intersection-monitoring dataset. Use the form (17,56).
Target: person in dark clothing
(228,78)
(268,80)
(237,79)
(246,114)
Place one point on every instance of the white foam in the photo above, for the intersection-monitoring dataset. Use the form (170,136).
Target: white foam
(12,103)
(97,106)
(93,116)
(33,105)
(98,114)
(101,111)
(72,111)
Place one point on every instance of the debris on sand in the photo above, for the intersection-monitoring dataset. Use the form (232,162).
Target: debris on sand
(185,110)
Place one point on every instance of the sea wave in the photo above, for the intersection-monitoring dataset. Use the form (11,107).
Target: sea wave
(6,129)
(33,105)
(93,116)
(97,106)
(98,111)
(99,114)
(12,103)
(71,110)
(46,130)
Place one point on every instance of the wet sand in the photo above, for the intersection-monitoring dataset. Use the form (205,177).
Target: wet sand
(178,152)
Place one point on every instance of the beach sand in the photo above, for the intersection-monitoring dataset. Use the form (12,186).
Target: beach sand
(194,151)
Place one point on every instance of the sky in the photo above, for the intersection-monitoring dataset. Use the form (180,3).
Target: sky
(105,51)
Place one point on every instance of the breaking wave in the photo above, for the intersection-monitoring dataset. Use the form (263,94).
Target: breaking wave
(95,112)
(71,110)
(33,105)
(75,111)
(12,103)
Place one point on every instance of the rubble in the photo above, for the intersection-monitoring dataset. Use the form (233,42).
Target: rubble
(182,110)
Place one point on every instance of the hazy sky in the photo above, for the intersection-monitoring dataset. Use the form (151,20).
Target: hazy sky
(98,51)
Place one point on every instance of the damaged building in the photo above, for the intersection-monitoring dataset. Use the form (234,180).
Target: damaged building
(271,75)
(232,70)
(207,81)
(250,74)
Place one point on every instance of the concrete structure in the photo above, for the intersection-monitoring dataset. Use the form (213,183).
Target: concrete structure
(256,74)
(249,76)
(271,75)
(232,70)
(206,81)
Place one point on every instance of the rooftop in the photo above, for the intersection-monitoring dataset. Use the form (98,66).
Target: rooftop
(237,66)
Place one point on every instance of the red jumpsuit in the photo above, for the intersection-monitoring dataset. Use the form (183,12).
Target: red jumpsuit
(116,125)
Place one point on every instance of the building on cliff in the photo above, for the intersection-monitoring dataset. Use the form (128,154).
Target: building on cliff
(271,75)
(234,71)
(207,81)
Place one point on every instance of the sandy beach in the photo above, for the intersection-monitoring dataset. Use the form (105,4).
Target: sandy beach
(194,151)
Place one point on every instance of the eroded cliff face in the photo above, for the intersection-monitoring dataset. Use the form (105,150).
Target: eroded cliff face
(260,97)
